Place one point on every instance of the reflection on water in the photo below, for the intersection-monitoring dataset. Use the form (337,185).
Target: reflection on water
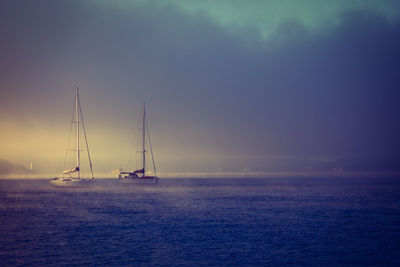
(217,222)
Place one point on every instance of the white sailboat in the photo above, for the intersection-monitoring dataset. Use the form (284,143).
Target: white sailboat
(72,177)
(142,175)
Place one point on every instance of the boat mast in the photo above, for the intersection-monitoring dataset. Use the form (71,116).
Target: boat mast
(77,132)
(144,138)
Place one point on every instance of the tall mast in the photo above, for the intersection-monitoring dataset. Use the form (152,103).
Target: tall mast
(144,138)
(78,160)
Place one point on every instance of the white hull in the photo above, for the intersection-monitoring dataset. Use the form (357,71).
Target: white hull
(74,182)
(139,180)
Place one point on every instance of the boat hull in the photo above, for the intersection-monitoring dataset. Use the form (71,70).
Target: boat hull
(139,180)
(59,182)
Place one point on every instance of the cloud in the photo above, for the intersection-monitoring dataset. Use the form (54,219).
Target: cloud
(264,15)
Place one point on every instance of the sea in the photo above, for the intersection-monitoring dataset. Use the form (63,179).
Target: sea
(297,221)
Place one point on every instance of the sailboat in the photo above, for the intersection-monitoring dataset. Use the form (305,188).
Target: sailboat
(72,177)
(142,175)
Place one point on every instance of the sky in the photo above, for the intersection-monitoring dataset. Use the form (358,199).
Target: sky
(229,85)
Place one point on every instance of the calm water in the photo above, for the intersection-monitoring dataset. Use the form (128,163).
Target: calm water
(203,222)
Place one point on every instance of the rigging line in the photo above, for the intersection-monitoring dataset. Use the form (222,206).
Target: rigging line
(133,158)
(69,136)
(84,131)
(131,145)
(137,159)
(151,149)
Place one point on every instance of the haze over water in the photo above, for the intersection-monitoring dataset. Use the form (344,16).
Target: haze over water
(203,222)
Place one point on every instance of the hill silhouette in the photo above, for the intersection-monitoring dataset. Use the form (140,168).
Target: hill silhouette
(7,167)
